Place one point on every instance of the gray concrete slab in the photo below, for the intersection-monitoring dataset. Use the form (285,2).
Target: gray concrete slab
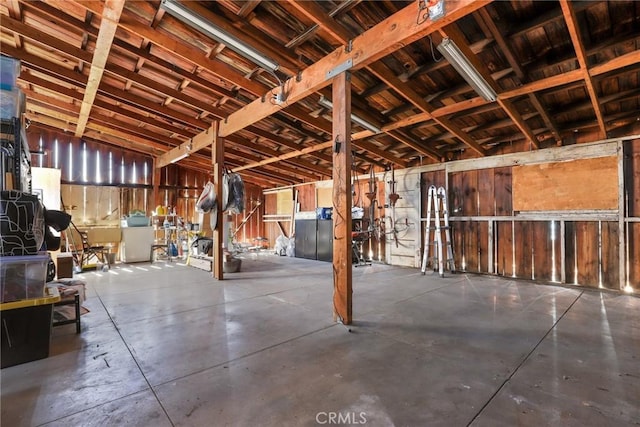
(165,344)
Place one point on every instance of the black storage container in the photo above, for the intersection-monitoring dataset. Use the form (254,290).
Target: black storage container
(26,334)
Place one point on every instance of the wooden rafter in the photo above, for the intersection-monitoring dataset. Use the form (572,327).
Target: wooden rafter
(485,18)
(453,32)
(368,47)
(108,26)
(571,21)
(312,11)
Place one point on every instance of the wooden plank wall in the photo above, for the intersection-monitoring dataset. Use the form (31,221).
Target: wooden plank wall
(531,249)
(632,182)
(253,228)
(306,197)
(403,248)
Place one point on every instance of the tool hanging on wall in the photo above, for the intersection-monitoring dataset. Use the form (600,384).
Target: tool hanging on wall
(437,201)
(393,198)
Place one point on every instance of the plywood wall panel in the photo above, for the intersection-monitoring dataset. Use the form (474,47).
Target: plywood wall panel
(575,185)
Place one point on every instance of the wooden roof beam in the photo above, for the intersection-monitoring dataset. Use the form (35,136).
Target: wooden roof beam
(284,141)
(400,28)
(571,21)
(16,13)
(325,171)
(68,126)
(484,16)
(108,26)
(312,11)
(453,32)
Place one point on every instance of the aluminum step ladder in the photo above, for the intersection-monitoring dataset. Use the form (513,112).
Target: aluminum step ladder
(437,203)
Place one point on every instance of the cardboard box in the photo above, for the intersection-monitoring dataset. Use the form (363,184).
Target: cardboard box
(64,267)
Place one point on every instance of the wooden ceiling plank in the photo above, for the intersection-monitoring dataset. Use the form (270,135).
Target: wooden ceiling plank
(454,33)
(164,90)
(194,144)
(261,45)
(248,7)
(571,21)
(416,146)
(16,13)
(622,61)
(108,27)
(50,42)
(65,126)
(286,156)
(112,68)
(240,142)
(280,168)
(143,54)
(399,29)
(543,84)
(80,80)
(387,76)
(340,34)
(315,13)
(188,53)
(283,141)
(485,17)
(107,130)
(117,70)
(370,147)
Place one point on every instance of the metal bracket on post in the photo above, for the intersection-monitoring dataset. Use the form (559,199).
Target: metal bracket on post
(346,65)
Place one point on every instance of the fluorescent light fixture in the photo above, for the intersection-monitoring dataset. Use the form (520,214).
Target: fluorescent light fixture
(180,157)
(189,17)
(356,119)
(449,50)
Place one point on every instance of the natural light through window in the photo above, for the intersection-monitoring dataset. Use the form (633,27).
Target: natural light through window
(85,162)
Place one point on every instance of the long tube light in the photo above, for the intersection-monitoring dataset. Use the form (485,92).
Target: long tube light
(189,17)
(354,118)
(180,157)
(449,50)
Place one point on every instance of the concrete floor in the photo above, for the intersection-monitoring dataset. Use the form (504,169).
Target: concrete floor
(166,345)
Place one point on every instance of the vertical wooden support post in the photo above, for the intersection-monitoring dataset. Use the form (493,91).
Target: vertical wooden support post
(157,175)
(217,161)
(563,253)
(342,256)
(490,250)
(622,248)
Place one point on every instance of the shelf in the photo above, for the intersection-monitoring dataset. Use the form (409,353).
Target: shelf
(15,156)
